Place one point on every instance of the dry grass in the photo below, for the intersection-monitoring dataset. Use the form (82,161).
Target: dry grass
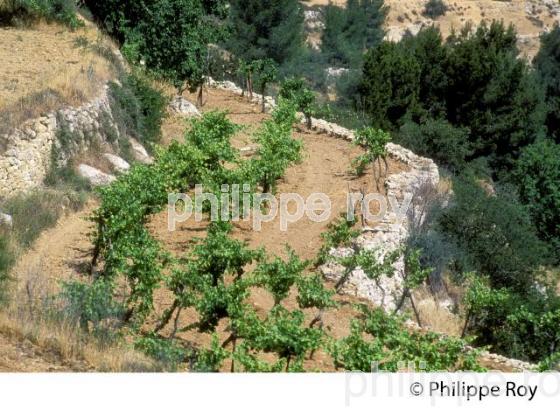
(55,339)
(47,67)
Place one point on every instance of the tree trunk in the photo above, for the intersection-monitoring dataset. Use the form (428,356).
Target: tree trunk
(199,102)
(263,100)
(466,325)
(167,316)
(401,301)
(308,121)
(416,313)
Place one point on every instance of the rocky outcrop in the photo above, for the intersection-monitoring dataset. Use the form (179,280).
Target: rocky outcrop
(6,221)
(183,107)
(94,176)
(117,163)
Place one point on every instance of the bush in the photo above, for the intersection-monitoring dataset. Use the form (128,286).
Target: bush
(496,234)
(435,9)
(6,261)
(16,12)
(34,212)
(163,350)
(92,306)
(537,176)
(138,109)
(439,140)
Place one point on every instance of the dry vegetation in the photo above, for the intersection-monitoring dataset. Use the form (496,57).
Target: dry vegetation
(530,17)
(49,66)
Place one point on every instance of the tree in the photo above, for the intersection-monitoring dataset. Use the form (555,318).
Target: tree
(435,9)
(375,143)
(537,176)
(390,84)
(495,233)
(492,92)
(414,276)
(295,89)
(265,72)
(277,148)
(547,65)
(351,30)
(170,36)
(266,29)
(438,140)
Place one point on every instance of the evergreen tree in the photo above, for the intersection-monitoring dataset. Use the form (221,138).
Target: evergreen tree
(547,64)
(266,29)
(351,30)
(537,175)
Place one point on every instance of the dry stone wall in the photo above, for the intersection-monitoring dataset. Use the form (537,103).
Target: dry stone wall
(27,154)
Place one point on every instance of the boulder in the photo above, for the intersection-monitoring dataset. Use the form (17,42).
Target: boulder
(139,152)
(183,107)
(6,220)
(95,176)
(117,163)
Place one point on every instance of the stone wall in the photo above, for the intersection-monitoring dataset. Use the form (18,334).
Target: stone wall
(27,151)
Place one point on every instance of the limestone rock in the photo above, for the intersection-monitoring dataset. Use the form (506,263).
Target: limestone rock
(139,152)
(118,164)
(6,220)
(183,107)
(95,176)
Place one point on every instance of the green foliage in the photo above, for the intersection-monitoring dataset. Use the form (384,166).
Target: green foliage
(168,352)
(474,81)
(210,360)
(547,66)
(537,176)
(138,109)
(295,90)
(277,149)
(16,12)
(279,276)
(439,140)
(380,341)
(260,30)
(435,9)
(390,83)
(91,305)
(374,141)
(339,233)
(351,30)
(283,333)
(313,294)
(496,234)
(170,36)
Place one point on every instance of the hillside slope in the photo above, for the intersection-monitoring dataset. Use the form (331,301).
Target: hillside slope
(530,17)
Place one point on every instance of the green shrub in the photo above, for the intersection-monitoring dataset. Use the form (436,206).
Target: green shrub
(166,351)
(438,140)
(138,109)
(34,212)
(495,233)
(435,9)
(537,176)
(92,306)
(16,12)
(7,259)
